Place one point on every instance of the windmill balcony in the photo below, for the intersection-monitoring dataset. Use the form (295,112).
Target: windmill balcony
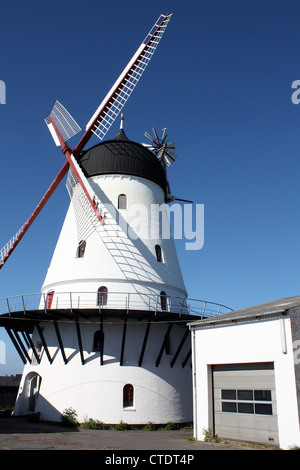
(108,302)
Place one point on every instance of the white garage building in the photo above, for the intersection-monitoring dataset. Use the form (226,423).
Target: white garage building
(246,374)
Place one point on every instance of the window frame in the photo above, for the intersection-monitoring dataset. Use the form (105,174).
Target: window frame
(158,253)
(122,201)
(128,396)
(98,343)
(244,404)
(81,249)
(163,301)
(102,296)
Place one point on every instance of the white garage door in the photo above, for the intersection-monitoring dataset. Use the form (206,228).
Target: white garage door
(245,402)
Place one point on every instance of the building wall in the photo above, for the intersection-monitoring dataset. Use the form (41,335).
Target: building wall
(126,262)
(161,394)
(248,342)
(295,325)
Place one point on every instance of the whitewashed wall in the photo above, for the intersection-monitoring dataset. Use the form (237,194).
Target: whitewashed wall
(257,341)
(161,394)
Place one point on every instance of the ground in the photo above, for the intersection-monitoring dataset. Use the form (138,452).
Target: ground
(19,434)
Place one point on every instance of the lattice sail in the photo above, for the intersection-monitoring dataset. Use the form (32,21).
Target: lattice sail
(6,250)
(127,81)
(65,123)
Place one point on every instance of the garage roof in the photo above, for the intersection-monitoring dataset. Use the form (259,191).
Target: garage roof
(274,308)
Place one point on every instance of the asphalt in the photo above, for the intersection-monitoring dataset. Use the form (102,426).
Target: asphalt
(16,433)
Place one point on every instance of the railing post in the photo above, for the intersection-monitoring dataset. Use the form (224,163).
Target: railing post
(44,302)
(8,305)
(128,302)
(71,302)
(203,310)
(23,305)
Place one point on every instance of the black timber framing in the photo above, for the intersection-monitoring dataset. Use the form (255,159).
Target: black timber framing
(17,336)
(31,345)
(180,347)
(61,346)
(79,339)
(102,339)
(16,345)
(39,329)
(123,340)
(145,341)
(166,338)
(186,358)
(25,322)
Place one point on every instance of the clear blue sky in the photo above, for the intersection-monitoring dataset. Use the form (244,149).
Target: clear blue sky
(220,82)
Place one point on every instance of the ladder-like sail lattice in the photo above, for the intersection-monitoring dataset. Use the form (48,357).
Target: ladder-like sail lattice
(64,122)
(99,124)
(6,250)
(127,81)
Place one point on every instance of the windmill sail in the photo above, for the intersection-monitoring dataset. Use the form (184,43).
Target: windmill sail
(127,81)
(64,122)
(61,120)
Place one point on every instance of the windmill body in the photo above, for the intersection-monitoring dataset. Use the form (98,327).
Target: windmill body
(128,254)
(108,335)
(129,296)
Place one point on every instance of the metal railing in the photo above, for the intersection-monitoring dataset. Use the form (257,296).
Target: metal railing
(112,300)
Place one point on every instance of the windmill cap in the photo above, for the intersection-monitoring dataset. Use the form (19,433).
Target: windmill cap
(123,156)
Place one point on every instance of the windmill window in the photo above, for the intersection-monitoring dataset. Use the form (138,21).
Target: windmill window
(102,296)
(158,253)
(163,300)
(122,201)
(81,249)
(49,299)
(98,341)
(128,393)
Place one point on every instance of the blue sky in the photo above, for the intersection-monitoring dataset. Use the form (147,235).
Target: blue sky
(220,82)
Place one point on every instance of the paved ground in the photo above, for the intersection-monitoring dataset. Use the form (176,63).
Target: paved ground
(19,434)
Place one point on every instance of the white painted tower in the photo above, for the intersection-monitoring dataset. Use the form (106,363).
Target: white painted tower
(116,345)
(107,336)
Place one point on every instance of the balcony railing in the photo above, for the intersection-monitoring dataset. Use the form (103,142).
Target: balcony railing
(112,300)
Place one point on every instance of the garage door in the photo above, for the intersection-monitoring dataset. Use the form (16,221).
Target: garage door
(245,402)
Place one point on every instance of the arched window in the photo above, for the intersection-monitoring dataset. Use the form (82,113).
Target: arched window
(163,300)
(81,249)
(98,341)
(122,201)
(158,253)
(102,296)
(127,395)
(49,299)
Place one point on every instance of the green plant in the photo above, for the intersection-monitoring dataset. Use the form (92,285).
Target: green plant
(69,418)
(170,426)
(93,424)
(149,427)
(121,426)
(209,436)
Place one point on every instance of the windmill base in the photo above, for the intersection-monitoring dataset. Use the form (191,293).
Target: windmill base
(112,369)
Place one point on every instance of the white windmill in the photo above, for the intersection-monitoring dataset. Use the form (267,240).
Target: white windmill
(107,336)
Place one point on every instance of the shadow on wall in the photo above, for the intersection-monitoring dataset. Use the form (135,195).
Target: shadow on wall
(30,401)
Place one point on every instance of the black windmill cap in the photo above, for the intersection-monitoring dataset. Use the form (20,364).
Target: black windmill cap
(123,156)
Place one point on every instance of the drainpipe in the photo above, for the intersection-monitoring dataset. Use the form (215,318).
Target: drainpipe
(283,336)
(194,386)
